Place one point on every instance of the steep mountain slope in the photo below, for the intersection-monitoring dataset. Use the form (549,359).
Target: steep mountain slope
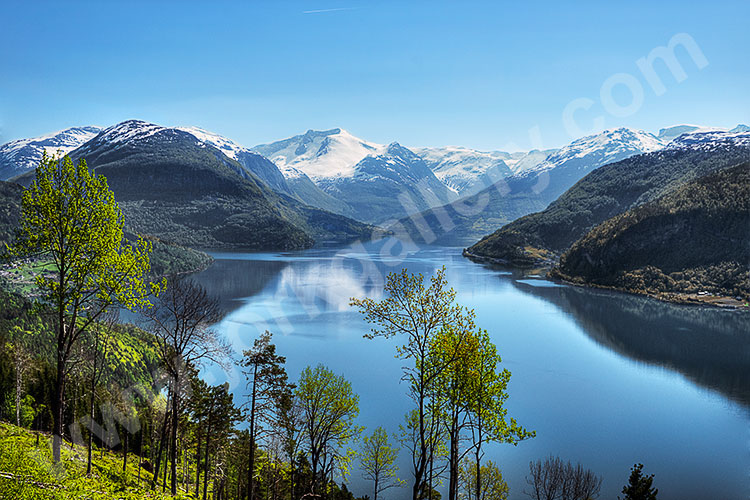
(563,168)
(10,211)
(463,221)
(299,186)
(609,191)
(394,183)
(20,156)
(368,177)
(466,171)
(166,258)
(531,188)
(695,238)
(178,188)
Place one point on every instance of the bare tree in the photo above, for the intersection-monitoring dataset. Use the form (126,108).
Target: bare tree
(554,479)
(182,321)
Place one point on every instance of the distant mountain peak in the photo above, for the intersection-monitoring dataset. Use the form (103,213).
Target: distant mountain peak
(708,139)
(19,156)
(129,130)
(321,155)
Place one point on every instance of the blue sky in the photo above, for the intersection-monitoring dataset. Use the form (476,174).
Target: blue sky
(480,74)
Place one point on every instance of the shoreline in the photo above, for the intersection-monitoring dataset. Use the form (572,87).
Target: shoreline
(694,299)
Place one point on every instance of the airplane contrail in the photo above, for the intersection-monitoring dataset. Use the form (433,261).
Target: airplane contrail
(320,11)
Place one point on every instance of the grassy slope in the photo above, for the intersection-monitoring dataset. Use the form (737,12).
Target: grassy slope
(602,194)
(27,471)
(696,238)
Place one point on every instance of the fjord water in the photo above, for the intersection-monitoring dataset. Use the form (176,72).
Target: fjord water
(605,379)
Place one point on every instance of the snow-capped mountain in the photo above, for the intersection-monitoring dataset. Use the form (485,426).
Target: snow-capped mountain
(466,171)
(389,184)
(599,149)
(19,156)
(521,161)
(668,134)
(296,184)
(174,184)
(319,154)
(367,176)
(563,168)
(707,140)
(252,161)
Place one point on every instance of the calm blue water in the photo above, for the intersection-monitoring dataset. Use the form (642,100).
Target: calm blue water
(605,379)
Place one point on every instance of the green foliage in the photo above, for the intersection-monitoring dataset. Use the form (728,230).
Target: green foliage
(71,217)
(602,194)
(492,486)
(377,459)
(693,239)
(10,211)
(329,409)
(639,485)
(29,473)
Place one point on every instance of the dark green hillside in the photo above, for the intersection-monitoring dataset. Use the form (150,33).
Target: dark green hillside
(695,239)
(602,194)
(175,188)
(10,210)
(166,258)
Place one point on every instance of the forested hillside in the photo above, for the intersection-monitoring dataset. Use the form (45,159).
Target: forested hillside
(602,194)
(695,239)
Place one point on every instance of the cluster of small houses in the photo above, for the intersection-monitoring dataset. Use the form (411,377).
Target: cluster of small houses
(12,272)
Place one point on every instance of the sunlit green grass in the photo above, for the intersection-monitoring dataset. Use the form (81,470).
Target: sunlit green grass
(28,472)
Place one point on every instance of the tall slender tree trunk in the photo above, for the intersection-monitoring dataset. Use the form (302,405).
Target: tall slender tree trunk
(58,401)
(205,461)
(251,466)
(92,402)
(478,457)
(421,465)
(198,465)
(157,460)
(125,451)
(19,385)
(175,424)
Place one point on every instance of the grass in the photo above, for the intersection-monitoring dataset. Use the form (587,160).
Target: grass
(21,278)
(27,471)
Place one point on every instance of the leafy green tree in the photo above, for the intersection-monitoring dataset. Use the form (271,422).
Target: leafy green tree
(639,485)
(267,379)
(329,407)
(492,486)
(70,218)
(415,312)
(487,393)
(377,459)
